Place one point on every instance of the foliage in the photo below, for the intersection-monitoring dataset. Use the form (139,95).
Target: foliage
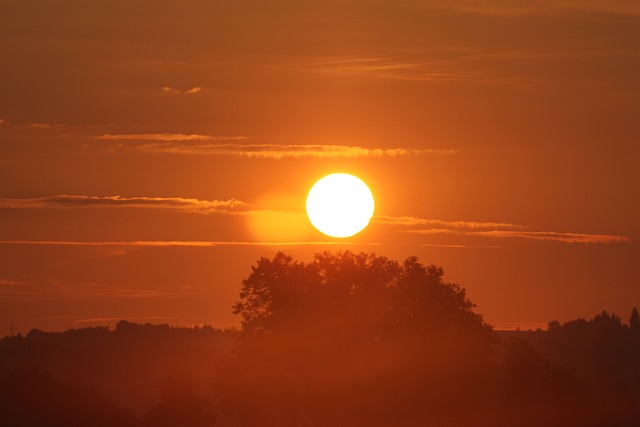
(634,321)
(355,339)
(363,292)
(537,393)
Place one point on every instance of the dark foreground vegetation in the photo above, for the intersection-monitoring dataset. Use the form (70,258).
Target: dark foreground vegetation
(346,340)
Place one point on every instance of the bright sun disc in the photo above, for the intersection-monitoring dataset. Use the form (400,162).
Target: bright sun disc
(340,205)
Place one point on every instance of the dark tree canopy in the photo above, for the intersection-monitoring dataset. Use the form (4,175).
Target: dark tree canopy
(365,291)
(634,321)
(355,339)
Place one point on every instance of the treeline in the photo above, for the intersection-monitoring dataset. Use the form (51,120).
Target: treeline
(135,367)
(345,340)
(603,353)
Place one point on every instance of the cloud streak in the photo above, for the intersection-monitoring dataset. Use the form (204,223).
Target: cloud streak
(176,243)
(541,7)
(171,90)
(531,235)
(79,202)
(167,137)
(212,145)
(9,282)
(457,225)
(456,64)
(554,236)
(281,151)
(509,8)
(499,230)
(45,126)
(57,291)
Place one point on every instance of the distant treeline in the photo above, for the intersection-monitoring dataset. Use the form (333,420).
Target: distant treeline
(346,340)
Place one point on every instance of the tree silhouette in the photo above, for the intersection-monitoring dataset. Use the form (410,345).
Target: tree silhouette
(366,292)
(355,339)
(634,322)
(537,393)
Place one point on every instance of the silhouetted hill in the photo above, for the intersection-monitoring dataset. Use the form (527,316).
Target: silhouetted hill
(346,340)
(603,353)
(162,372)
(129,365)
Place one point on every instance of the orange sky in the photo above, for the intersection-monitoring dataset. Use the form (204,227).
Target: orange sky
(151,151)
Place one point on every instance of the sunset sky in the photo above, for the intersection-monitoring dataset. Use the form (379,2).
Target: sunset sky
(152,151)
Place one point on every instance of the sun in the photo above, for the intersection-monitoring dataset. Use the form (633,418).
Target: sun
(340,205)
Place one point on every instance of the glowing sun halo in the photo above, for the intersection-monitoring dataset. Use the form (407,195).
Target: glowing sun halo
(340,205)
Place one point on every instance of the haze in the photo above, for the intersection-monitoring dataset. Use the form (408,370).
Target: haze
(151,151)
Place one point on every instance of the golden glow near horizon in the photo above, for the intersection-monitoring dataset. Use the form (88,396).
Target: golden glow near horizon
(340,205)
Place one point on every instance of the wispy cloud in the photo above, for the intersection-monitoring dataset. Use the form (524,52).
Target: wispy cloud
(76,202)
(539,7)
(9,282)
(177,243)
(167,137)
(462,64)
(280,151)
(57,291)
(405,67)
(429,245)
(99,291)
(199,144)
(44,126)
(509,8)
(554,236)
(532,235)
(192,91)
(492,229)
(456,225)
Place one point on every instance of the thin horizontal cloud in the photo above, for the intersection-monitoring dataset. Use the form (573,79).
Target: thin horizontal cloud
(408,67)
(459,65)
(555,236)
(78,202)
(104,291)
(492,229)
(192,91)
(540,7)
(280,151)
(44,126)
(199,144)
(9,282)
(532,235)
(178,243)
(471,225)
(57,291)
(428,245)
(168,137)
(509,8)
